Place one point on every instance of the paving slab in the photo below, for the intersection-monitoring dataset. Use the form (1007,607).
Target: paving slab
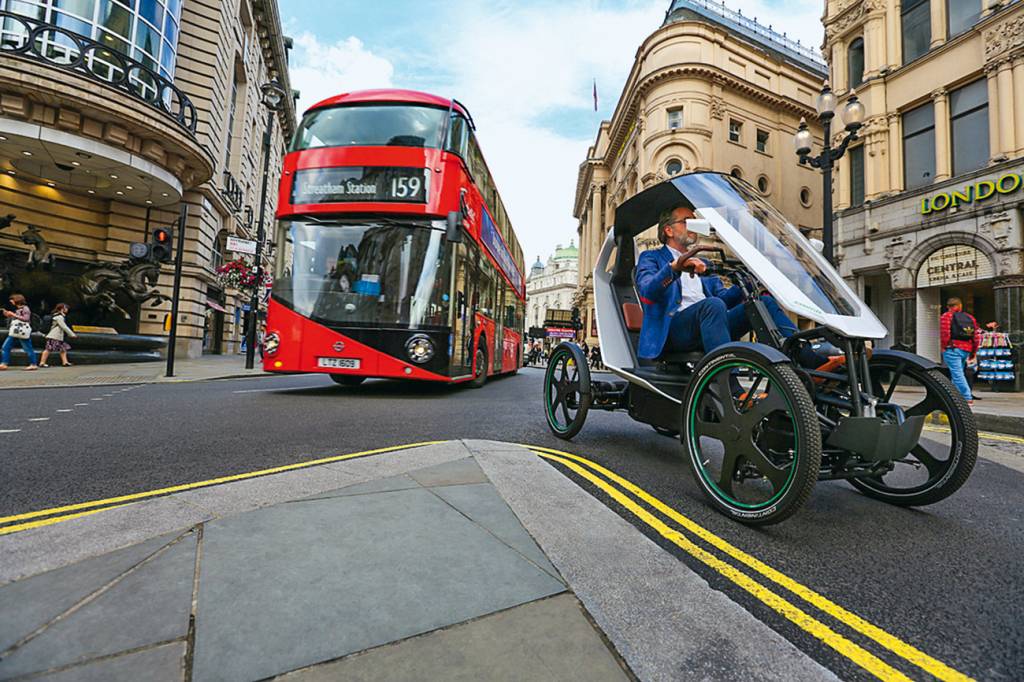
(27,605)
(149,605)
(42,549)
(160,664)
(459,472)
(483,504)
(344,574)
(549,639)
(381,485)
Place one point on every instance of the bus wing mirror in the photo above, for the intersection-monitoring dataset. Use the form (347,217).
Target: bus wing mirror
(699,226)
(454,231)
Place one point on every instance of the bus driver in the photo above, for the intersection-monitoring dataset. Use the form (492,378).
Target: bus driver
(690,312)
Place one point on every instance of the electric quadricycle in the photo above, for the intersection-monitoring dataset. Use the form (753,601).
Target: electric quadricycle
(761,421)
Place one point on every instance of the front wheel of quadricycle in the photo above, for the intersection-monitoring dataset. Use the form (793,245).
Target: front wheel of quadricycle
(752,437)
(480,367)
(566,391)
(943,458)
(347,379)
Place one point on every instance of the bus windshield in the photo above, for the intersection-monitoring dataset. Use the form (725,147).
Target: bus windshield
(367,273)
(371,126)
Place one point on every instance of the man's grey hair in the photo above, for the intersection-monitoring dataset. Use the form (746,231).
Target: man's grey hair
(665,218)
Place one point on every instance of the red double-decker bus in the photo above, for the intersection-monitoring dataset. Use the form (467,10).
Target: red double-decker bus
(399,258)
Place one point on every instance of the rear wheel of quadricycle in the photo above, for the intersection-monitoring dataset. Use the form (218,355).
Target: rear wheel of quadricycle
(566,391)
(943,458)
(480,367)
(347,379)
(752,436)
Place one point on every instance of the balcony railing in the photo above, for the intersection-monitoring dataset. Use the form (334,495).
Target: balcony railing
(58,47)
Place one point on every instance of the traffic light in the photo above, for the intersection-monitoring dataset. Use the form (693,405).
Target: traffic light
(576,322)
(162,244)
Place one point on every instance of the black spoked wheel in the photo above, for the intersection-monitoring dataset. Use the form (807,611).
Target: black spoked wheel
(480,367)
(943,458)
(566,391)
(347,379)
(752,436)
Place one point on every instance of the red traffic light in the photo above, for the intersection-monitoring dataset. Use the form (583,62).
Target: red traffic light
(161,236)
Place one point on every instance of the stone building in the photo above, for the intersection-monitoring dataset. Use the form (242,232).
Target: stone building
(930,200)
(709,90)
(112,119)
(551,286)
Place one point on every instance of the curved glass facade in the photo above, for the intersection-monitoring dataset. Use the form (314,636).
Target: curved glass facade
(145,30)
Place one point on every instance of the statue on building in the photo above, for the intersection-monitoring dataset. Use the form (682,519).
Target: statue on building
(7,220)
(39,254)
(137,280)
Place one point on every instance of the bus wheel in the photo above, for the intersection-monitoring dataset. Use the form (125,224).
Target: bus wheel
(346,379)
(480,378)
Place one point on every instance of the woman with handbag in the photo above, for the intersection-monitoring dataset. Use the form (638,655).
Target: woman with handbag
(55,342)
(19,329)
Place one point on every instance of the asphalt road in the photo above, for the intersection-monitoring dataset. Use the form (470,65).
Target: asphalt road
(946,579)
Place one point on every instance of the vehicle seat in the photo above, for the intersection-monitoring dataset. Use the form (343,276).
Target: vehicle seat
(633,314)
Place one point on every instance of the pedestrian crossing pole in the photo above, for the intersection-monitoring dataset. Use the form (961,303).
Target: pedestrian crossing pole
(172,338)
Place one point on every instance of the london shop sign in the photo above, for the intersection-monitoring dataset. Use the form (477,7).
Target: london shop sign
(979,191)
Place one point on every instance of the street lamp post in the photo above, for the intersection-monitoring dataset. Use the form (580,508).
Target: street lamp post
(854,115)
(273,97)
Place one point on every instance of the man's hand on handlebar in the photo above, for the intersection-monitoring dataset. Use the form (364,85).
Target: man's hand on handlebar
(692,265)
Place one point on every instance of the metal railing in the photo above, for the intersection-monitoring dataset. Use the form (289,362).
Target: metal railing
(759,30)
(58,47)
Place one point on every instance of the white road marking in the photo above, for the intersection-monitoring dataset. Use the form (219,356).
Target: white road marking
(39,419)
(65,410)
(9,430)
(81,404)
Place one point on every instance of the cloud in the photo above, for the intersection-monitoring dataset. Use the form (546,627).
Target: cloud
(321,70)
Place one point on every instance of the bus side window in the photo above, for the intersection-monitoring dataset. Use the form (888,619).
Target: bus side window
(457,136)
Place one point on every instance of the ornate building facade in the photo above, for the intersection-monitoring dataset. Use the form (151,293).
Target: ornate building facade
(709,90)
(929,201)
(551,286)
(113,117)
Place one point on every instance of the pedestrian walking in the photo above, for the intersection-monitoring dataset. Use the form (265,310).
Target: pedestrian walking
(55,342)
(595,358)
(19,329)
(960,338)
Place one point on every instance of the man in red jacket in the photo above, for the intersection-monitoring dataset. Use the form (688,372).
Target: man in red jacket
(960,337)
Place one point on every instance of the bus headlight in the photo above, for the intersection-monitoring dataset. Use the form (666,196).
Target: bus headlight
(419,348)
(271,342)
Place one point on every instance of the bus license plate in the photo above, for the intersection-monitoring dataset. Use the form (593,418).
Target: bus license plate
(338,363)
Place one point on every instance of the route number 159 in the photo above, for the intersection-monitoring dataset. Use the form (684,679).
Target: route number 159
(404,188)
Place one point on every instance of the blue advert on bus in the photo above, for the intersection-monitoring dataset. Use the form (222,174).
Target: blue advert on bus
(496,245)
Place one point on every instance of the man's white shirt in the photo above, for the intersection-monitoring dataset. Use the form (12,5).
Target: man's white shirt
(690,287)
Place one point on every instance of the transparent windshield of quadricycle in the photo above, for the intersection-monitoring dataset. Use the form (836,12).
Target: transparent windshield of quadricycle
(771,234)
(367,274)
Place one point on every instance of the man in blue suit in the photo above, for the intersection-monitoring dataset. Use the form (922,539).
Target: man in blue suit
(687,312)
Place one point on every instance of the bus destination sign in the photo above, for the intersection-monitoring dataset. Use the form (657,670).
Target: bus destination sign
(358,183)
(496,245)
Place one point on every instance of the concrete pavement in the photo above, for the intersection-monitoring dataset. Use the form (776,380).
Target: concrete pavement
(462,560)
(197,369)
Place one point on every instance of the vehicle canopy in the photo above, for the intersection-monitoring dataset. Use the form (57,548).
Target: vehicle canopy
(752,230)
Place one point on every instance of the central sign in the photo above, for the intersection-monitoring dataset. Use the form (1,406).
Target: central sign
(359,183)
(952,265)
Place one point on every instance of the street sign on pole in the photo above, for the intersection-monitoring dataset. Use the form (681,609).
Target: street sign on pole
(247,246)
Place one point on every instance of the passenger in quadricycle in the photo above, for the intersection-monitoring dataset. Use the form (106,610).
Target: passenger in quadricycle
(695,311)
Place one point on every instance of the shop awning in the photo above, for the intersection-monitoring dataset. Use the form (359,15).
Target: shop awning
(210,303)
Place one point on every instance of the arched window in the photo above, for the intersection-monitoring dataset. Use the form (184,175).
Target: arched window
(674,167)
(855,63)
(220,245)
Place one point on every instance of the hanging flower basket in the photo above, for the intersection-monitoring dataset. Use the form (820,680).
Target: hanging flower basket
(239,274)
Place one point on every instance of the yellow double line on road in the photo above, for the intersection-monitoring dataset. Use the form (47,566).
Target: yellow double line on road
(46,517)
(851,650)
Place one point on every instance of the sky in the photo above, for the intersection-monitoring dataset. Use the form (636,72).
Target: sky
(525,69)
